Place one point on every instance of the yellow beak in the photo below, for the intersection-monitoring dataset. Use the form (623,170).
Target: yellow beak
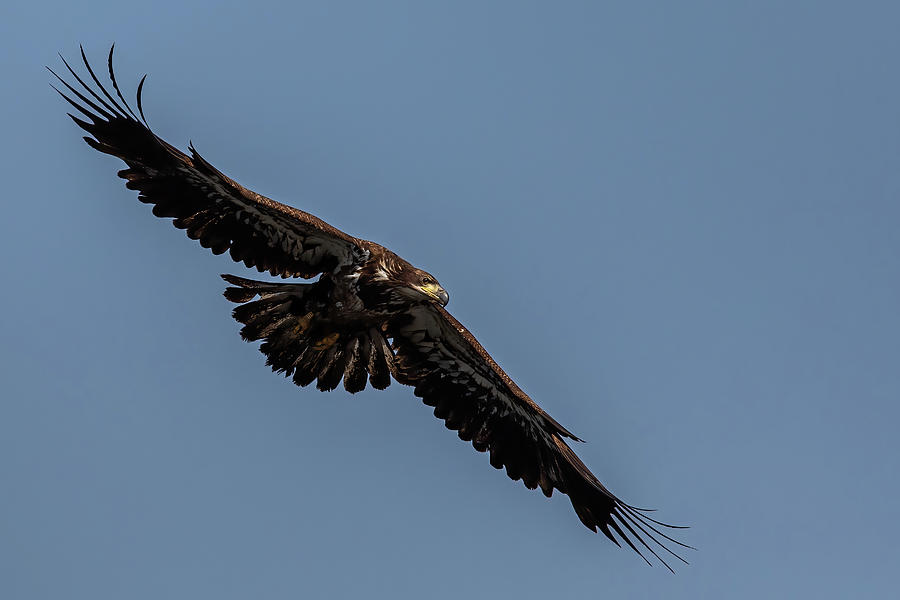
(437,292)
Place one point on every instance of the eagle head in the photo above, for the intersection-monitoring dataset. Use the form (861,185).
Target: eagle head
(405,280)
(426,284)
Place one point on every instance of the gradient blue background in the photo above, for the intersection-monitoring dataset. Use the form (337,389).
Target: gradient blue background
(674,224)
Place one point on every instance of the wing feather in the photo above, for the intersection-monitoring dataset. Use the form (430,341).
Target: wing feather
(453,373)
(213,209)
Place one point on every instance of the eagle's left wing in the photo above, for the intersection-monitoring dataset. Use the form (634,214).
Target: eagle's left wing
(452,372)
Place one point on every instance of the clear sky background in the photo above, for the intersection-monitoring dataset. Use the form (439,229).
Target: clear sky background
(674,224)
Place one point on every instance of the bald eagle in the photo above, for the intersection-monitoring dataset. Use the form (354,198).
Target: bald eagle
(370,316)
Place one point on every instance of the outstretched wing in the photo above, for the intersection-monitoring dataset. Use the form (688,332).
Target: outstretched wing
(453,373)
(211,207)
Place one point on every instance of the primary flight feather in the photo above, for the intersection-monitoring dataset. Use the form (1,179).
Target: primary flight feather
(369,317)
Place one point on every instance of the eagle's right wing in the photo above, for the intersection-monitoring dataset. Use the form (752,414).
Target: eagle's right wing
(452,372)
(211,207)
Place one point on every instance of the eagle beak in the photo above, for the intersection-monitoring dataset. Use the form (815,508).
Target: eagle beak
(443,297)
(435,291)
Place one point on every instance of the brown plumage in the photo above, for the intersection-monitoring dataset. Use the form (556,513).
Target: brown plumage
(369,317)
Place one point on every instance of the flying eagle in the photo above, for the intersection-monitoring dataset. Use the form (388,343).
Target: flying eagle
(370,315)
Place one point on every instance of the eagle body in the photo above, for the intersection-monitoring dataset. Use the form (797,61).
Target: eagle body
(369,317)
(337,327)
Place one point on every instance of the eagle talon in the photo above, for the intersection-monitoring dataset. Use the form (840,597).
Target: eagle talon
(326,342)
(303,324)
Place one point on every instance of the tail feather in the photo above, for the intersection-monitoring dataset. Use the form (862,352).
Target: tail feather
(355,368)
(301,343)
(332,368)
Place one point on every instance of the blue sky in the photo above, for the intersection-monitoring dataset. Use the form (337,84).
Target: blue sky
(674,224)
